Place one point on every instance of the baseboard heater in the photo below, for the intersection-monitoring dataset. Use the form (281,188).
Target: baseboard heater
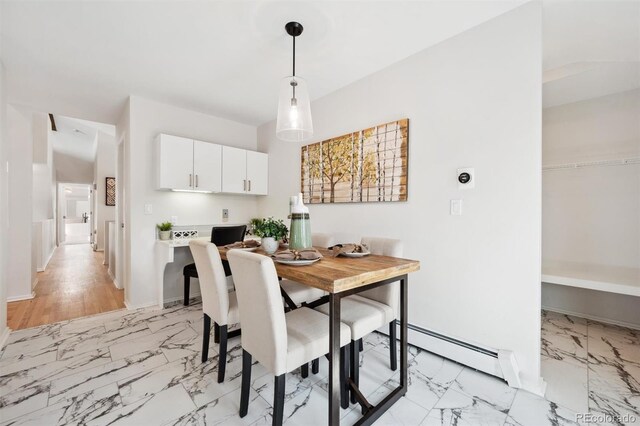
(499,363)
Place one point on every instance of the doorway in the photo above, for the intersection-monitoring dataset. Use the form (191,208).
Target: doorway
(75,213)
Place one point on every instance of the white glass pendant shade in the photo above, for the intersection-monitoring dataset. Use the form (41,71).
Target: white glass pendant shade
(294,111)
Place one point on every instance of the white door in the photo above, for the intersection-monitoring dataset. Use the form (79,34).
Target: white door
(257,173)
(207,164)
(176,163)
(234,170)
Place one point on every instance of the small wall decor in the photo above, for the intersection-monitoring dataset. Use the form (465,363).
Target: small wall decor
(368,165)
(110,191)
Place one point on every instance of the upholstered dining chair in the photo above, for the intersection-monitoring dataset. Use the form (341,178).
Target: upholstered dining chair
(370,310)
(217,302)
(220,236)
(280,341)
(300,293)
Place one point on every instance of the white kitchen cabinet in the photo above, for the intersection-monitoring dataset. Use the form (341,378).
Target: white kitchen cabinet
(207,165)
(234,170)
(188,165)
(175,163)
(257,173)
(244,172)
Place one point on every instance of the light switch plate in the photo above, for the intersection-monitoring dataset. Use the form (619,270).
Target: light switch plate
(456,207)
(225,215)
(148,209)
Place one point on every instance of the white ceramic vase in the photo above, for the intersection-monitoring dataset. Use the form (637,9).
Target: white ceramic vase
(269,245)
(165,235)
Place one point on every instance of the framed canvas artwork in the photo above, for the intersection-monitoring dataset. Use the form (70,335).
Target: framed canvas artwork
(110,191)
(368,165)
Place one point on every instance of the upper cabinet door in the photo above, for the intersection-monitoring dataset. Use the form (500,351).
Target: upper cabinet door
(234,170)
(257,173)
(175,168)
(207,166)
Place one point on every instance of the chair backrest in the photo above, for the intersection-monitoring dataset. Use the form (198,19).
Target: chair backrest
(264,328)
(223,235)
(387,294)
(319,239)
(213,283)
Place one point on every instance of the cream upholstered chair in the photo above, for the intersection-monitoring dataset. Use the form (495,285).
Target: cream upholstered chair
(369,310)
(280,341)
(300,293)
(217,303)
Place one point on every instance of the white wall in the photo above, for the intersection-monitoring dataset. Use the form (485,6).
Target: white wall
(592,214)
(104,166)
(21,269)
(147,120)
(4,189)
(473,101)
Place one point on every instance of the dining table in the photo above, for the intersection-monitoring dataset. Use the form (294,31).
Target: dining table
(341,277)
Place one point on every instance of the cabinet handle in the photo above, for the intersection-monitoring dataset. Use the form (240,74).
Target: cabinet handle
(190,180)
(196,181)
(244,185)
(249,185)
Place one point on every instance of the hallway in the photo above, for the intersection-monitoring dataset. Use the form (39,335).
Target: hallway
(75,284)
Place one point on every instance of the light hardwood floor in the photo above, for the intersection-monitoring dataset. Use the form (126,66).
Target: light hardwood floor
(75,284)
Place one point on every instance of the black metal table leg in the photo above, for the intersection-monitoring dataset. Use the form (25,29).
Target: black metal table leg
(404,333)
(334,359)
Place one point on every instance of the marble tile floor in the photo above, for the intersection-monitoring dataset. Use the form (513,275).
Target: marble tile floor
(143,368)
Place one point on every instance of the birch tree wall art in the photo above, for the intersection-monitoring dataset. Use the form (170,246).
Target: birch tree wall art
(369,165)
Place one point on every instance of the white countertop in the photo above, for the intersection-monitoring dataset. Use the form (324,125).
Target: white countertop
(185,243)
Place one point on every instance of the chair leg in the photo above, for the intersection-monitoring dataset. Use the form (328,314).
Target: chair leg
(344,374)
(206,332)
(355,366)
(304,370)
(278,400)
(393,342)
(315,366)
(216,333)
(187,281)
(222,357)
(246,383)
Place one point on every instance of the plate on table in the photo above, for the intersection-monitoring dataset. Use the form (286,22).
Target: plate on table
(301,262)
(356,254)
(244,248)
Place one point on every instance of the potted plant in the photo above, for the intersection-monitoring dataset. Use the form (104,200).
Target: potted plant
(271,231)
(164,230)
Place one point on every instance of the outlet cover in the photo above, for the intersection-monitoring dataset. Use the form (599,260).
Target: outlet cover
(174,220)
(225,215)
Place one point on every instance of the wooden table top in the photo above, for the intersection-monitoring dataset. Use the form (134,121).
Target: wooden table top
(338,274)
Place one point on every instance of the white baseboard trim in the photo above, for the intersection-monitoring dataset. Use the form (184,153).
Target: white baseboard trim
(23,297)
(538,387)
(592,317)
(192,295)
(4,337)
(148,305)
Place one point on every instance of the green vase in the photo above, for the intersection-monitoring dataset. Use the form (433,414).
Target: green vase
(300,231)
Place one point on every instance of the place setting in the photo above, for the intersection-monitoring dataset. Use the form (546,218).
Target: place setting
(352,250)
(297,257)
(246,245)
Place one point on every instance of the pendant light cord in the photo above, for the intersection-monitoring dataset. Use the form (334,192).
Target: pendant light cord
(294,66)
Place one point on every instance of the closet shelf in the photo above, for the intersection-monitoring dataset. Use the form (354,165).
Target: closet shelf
(612,279)
(596,163)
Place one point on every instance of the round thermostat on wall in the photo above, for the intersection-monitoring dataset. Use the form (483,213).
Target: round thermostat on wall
(466,178)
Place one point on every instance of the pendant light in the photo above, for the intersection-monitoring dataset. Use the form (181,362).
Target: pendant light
(294,110)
